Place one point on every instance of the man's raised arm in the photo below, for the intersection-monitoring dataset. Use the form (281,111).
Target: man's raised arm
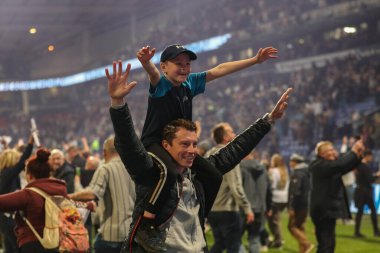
(230,155)
(128,145)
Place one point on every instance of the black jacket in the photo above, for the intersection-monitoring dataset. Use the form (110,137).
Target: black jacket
(328,196)
(140,166)
(9,177)
(66,173)
(299,188)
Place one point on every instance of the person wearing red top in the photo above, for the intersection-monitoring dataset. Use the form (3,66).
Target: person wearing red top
(31,204)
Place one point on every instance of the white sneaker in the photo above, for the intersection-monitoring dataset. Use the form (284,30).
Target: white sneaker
(310,248)
(349,222)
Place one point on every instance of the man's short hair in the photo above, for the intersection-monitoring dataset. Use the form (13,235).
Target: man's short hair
(109,145)
(57,151)
(72,148)
(217,133)
(172,128)
(320,145)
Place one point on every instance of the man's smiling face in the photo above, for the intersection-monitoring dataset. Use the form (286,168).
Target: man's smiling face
(183,147)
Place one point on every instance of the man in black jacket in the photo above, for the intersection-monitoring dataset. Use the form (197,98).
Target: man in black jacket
(183,216)
(61,169)
(328,195)
(364,192)
(298,201)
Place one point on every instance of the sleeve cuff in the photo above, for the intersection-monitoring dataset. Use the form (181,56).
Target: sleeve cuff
(267,117)
(117,106)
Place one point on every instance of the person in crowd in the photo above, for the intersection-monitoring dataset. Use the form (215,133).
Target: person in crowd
(364,192)
(328,200)
(31,205)
(278,174)
(170,98)
(258,190)
(82,179)
(92,163)
(181,221)
(224,217)
(349,177)
(75,158)
(298,201)
(203,147)
(61,169)
(264,234)
(12,163)
(112,184)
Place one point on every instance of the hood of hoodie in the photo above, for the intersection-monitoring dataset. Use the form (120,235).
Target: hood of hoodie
(50,186)
(301,166)
(252,163)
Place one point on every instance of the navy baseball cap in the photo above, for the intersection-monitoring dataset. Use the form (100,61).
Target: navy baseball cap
(173,51)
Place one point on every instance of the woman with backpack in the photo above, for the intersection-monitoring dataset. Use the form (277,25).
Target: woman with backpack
(12,163)
(30,205)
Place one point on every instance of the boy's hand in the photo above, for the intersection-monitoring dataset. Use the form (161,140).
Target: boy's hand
(145,54)
(266,53)
(118,86)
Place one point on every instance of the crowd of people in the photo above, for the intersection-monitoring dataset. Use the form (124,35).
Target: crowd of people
(279,187)
(325,95)
(158,194)
(232,17)
(247,23)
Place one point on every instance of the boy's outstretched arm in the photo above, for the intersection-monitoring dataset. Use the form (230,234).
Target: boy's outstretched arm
(233,66)
(144,55)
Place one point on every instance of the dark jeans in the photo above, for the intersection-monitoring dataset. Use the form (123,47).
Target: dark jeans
(88,226)
(102,246)
(253,230)
(264,234)
(7,226)
(325,233)
(362,198)
(35,247)
(226,228)
(274,221)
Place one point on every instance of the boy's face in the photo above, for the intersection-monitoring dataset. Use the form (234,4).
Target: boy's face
(183,148)
(177,69)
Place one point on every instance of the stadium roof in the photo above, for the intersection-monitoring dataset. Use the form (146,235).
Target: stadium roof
(59,21)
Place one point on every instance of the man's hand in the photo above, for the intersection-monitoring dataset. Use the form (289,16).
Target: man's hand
(358,148)
(250,217)
(282,104)
(266,53)
(118,86)
(145,54)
